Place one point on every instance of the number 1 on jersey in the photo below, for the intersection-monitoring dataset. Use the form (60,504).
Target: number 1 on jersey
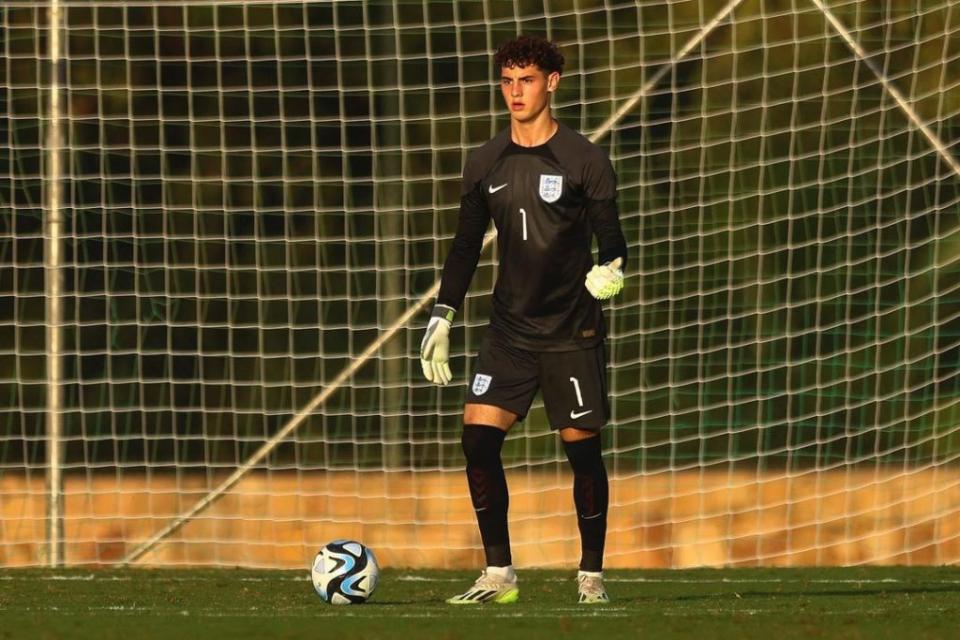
(523,215)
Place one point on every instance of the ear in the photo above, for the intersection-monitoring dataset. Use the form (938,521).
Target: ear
(553,81)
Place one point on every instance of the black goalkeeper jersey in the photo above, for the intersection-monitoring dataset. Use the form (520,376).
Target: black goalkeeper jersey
(547,203)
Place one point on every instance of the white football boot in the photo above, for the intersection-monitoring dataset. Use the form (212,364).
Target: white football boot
(591,589)
(489,588)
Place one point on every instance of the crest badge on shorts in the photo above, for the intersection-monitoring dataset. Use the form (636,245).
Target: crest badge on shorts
(551,187)
(481,383)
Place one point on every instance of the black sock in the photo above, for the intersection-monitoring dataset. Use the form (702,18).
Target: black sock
(591,497)
(488,490)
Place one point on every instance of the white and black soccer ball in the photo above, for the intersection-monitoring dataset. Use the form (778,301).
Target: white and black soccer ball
(345,572)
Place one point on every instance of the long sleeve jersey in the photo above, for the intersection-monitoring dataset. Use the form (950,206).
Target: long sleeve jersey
(547,202)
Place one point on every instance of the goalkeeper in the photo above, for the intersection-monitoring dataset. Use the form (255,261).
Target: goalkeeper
(548,190)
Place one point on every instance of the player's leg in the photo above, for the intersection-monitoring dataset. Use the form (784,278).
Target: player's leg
(575,395)
(484,430)
(501,392)
(591,498)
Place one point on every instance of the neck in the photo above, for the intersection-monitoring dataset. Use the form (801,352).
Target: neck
(533,132)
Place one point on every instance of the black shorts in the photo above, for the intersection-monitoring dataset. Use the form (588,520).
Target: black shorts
(574,383)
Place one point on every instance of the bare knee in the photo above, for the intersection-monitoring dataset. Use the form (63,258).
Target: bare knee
(573,434)
(488,415)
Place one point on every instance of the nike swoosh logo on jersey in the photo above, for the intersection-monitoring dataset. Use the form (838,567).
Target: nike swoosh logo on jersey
(493,189)
(574,415)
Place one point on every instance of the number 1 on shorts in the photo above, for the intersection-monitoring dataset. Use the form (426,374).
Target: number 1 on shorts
(576,387)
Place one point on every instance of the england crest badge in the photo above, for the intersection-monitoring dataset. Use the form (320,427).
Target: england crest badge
(481,383)
(551,187)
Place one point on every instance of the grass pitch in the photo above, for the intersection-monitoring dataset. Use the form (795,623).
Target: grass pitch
(742,603)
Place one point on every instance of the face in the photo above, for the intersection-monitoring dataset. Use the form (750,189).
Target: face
(526,90)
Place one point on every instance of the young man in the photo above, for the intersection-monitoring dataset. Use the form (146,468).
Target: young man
(549,191)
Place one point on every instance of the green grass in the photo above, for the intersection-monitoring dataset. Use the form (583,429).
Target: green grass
(772,604)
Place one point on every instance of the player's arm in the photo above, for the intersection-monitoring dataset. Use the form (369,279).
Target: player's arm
(458,270)
(605,279)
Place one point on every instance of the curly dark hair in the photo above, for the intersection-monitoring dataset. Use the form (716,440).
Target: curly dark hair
(526,50)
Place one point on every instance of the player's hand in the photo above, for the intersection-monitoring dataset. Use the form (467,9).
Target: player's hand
(435,348)
(605,281)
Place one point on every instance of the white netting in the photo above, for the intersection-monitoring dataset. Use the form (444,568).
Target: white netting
(255,193)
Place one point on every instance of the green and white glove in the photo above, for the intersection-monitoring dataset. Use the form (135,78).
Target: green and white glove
(605,281)
(435,347)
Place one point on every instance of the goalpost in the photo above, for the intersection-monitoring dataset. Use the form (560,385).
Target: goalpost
(257,199)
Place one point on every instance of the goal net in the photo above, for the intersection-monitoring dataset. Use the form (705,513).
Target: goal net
(257,198)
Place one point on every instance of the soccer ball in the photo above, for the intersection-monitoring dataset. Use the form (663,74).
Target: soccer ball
(345,572)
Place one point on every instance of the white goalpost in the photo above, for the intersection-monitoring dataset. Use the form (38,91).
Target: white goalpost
(256,201)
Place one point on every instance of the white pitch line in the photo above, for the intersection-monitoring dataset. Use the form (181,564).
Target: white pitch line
(324,612)
(150,578)
(418,578)
(779,611)
(768,580)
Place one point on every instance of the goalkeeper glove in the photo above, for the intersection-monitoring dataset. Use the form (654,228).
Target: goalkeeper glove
(435,348)
(605,281)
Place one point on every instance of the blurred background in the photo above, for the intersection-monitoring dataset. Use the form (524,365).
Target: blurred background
(254,192)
